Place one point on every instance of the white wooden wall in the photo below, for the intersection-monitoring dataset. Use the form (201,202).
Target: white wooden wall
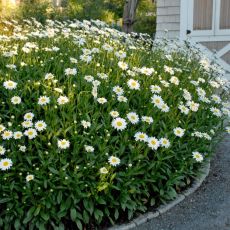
(168,18)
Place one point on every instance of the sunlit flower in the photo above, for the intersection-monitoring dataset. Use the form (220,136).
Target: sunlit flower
(7,134)
(2,128)
(118,90)
(63,144)
(85,124)
(114,114)
(43,100)
(70,71)
(114,161)
(133,84)
(5,164)
(49,76)
(123,65)
(101,100)
(216,111)
(62,100)
(89,149)
(147,119)
(155,89)
(103,170)
(29,177)
(179,132)
(153,143)
(16,100)
(40,125)
(140,136)
(165,142)
(29,116)
(22,148)
(27,124)
(197,156)
(119,123)
(133,117)
(18,135)
(10,85)
(31,133)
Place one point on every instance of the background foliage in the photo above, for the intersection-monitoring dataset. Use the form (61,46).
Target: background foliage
(106,10)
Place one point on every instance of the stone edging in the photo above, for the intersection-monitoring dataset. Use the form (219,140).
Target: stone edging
(164,208)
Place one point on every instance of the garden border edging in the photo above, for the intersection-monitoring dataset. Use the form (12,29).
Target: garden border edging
(165,207)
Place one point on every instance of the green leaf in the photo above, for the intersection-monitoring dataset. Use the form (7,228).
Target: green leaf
(79,224)
(73,214)
(116,214)
(4,200)
(37,210)
(59,197)
(89,206)
(17,224)
(45,216)
(98,214)
(85,217)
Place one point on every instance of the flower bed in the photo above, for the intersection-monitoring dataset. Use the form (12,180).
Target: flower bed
(97,125)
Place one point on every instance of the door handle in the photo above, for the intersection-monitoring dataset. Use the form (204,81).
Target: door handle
(188,32)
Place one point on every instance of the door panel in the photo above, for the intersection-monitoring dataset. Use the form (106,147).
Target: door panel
(224,15)
(202,14)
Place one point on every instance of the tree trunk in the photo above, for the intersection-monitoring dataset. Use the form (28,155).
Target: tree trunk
(129,15)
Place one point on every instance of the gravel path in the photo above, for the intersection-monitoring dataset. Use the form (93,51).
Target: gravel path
(206,209)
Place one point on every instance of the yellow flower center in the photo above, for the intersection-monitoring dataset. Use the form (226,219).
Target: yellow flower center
(119,123)
(5,163)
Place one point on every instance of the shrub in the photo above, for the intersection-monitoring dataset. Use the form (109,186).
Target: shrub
(97,125)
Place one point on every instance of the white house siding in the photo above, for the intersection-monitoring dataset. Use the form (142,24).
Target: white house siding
(168,18)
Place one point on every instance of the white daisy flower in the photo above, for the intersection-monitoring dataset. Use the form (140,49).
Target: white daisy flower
(118,90)
(16,100)
(73,60)
(174,80)
(216,98)
(147,119)
(193,106)
(5,164)
(153,143)
(18,135)
(85,124)
(114,114)
(101,100)
(157,100)
(62,100)
(63,144)
(123,65)
(216,111)
(89,78)
(114,161)
(29,116)
(164,108)
(10,85)
(165,142)
(155,89)
(27,124)
(2,150)
(22,148)
(70,71)
(89,148)
(103,170)
(49,76)
(179,132)
(29,177)
(187,96)
(120,54)
(183,109)
(43,100)
(119,123)
(122,99)
(59,90)
(7,134)
(197,156)
(133,84)
(133,117)
(140,136)
(40,125)
(31,133)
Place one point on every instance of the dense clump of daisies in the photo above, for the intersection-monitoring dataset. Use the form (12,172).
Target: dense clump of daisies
(97,125)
